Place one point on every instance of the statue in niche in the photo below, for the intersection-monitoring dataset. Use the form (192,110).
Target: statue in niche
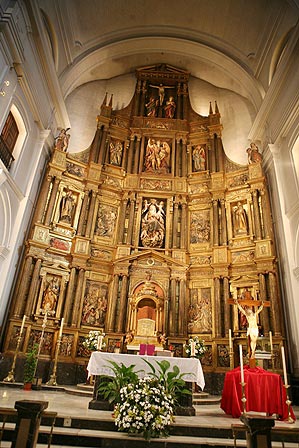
(157,155)
(253,154)
(51,293)
(116,150)
(161,91)
(67,207)
(152,224)
(105,221)
(240,220)
(170,107)
(199,158)
(62,140)
(151,107)
(94,305)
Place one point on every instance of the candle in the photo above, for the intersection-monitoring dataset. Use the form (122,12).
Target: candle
(230,339)
(192,343)
(241,363)
(271,342)
(61,327)
(22,326)
(100,342)
(284,366)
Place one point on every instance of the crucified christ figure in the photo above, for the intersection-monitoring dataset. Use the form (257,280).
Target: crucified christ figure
(161,91)
(252,329)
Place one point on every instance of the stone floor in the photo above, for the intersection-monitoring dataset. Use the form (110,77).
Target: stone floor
(71,406)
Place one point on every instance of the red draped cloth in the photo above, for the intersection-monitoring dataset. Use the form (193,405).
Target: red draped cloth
(264,392)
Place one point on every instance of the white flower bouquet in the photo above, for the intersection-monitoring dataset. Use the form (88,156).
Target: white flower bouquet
(195,347)
(94,340)
(144,408)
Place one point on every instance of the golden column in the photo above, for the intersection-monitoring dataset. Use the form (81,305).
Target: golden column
(217,307)
(83,213)
(76,319)
(112,304)
(215,223)
(264,316)
(275,308)
(172,316)
(23,286)
(52,201)
(122,304)
(69,296)
(256,214)
(90,214)
(33,288)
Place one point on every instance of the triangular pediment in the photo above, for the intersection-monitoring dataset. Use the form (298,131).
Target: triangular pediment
(151,254)
(162,71)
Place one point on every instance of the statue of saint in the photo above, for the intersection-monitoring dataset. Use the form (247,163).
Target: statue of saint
(240,219)
(252,320)
(253,153)
(151,107)
(67,207)
(170,107)
(62,140)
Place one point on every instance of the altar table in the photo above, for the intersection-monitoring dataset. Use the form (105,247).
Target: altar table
(264,392)
(191,368)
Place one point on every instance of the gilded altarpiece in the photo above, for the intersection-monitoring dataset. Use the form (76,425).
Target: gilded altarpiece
(148,233)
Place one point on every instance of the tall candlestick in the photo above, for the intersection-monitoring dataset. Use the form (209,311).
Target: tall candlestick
(230,339)
(61,327)
(23,323)
(284,366)
(192,343)
(271,341)
(241,363)
(100,342)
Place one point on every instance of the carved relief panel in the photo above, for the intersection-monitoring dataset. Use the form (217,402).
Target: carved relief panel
(94,304)
(200,311)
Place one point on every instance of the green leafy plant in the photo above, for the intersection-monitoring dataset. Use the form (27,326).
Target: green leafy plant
(110,386)
(171,380)
(30,364)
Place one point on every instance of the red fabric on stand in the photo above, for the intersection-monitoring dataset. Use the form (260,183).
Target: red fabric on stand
(264,392)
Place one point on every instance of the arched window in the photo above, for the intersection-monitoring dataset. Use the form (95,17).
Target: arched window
(8,138)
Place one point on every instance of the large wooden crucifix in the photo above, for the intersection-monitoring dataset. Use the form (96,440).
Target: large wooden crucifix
(245,306)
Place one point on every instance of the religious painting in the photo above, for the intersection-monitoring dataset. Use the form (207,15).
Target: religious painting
(50,294)
(44,340)
(200,311)
(200,227)
(94,304)
(157,156)
(114,345)
(153,220)
(115,152)
(67,341)
(199,158)
(14,336)
(223,355)
(106,220)
(82,351)
(207,359)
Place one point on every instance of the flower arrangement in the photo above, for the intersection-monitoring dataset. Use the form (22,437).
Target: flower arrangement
(195,347)
(94,340)
(144,408)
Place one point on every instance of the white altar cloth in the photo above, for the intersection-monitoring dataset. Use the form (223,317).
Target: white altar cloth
(191,368)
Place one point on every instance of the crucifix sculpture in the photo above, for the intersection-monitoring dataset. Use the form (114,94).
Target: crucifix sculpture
(245,306)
